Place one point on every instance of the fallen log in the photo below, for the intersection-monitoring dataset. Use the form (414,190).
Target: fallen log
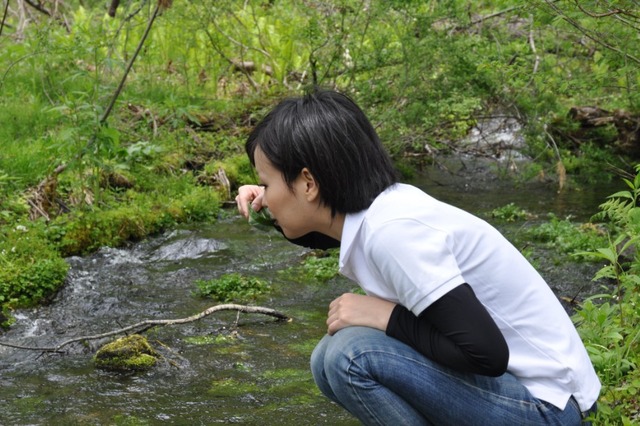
(627,125)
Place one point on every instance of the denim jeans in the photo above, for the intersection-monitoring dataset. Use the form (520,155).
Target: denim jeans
(382,381)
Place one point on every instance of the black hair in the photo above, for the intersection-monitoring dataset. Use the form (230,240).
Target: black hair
(326,132)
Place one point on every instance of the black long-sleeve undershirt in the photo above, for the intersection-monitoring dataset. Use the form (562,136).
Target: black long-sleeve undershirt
(455,331)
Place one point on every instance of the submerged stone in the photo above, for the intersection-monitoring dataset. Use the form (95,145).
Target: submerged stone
(130,353)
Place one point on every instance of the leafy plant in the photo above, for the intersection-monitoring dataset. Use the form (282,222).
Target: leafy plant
(567,237)
(509,213)
(321,266)
(611,329)
(261,219)
(233,287)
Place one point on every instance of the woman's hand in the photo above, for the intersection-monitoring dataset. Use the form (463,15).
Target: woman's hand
(249,194)
(355,309)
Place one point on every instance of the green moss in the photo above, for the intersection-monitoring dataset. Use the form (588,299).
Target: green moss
(131,353)
(225,388)
(211,340)
(86,231)
(30,267)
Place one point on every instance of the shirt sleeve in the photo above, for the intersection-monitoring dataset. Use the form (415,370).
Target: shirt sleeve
(415,261)
(455,331)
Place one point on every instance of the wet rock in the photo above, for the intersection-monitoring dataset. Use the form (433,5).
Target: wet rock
(130,353)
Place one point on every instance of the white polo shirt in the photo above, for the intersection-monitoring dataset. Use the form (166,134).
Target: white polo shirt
(412,249)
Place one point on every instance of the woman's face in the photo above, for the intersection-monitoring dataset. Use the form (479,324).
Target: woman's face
(291,208)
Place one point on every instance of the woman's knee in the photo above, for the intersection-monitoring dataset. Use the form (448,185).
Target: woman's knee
(317,357)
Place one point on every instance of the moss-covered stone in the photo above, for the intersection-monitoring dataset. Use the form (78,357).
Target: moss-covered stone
(131,353)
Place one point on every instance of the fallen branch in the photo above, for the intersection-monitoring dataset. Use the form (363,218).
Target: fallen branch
(147,324)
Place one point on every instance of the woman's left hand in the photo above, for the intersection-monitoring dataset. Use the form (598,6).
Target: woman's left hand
(355,309)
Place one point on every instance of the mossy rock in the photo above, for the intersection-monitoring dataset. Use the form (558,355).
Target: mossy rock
(131,353)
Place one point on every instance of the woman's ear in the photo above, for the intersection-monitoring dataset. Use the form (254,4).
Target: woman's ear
(311,188)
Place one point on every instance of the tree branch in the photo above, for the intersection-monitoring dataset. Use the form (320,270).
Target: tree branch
(147,324)
(107,111)
(4,16)
(584,31)
(38,7)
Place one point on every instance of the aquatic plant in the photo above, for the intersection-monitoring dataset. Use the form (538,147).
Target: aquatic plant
(232,287)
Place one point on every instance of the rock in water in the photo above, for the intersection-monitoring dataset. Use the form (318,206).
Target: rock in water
(130,353)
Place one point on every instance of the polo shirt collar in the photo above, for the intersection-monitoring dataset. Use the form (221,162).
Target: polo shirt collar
(352,224)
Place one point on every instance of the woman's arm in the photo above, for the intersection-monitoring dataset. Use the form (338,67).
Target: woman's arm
(456,331)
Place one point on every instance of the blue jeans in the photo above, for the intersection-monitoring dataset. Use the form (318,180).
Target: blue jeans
(382,381)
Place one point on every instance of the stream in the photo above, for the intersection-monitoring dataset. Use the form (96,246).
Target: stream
(226,368)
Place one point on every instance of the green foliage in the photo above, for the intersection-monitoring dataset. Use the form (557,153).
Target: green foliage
(611,329)
(566,237)
(424,72)
(316,266)
(509,213)
(30,268)
(87,230)
(261,219)
(233,287)
(322,266)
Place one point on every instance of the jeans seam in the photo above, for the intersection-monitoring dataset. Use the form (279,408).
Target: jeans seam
(352,360)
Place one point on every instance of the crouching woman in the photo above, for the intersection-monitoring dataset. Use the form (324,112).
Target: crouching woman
(456,327)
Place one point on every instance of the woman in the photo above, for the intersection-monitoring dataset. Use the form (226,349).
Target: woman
(456,326)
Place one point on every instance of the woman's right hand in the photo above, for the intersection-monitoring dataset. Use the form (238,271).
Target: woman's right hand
(249,194)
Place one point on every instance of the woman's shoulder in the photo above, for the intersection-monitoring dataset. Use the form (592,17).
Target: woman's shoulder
(402,198)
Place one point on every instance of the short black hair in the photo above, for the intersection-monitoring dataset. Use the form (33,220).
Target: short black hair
(326,132)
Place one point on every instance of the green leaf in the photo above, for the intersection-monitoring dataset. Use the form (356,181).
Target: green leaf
(261,219)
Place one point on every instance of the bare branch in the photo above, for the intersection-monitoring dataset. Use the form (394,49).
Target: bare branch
(493,15)
(588,34)
(597,15)
(147,324)
(38,7)
(107,111)
(4,17)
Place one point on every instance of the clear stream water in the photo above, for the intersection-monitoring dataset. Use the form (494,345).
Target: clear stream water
(257,375)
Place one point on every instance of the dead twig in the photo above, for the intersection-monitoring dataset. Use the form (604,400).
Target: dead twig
(147,324)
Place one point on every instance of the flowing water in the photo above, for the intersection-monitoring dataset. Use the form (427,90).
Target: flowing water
(226,368)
